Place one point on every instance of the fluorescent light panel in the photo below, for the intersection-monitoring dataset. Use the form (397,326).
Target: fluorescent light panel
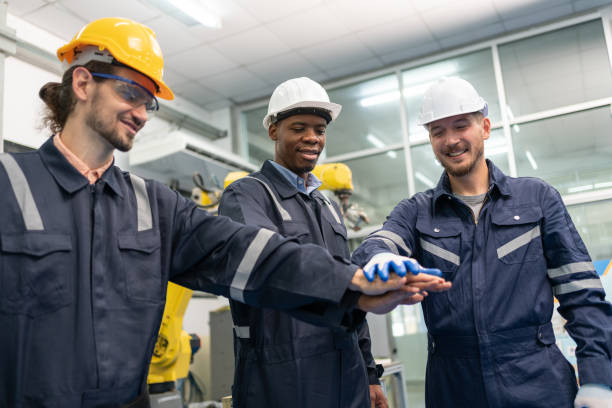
(603,185)
(190,12)
(394,95)
(375,141)
(578,189)
(532,161)
(424,179)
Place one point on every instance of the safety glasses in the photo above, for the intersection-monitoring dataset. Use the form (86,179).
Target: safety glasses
(132,92)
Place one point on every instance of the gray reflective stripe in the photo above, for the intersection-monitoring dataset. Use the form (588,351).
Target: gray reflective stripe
(441,252)
(390,244)
(393,237)
(21,188)
(518,242)
(576,286)
(284,214)
(242,332)
(331,209)
(571,268)
(247,264)
(145,219)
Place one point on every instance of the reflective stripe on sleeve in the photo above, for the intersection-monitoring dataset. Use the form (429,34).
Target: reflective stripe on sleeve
(145,218)
(393,237)
(284,213)
(21,188)
(571,268)
(242,332)
(390,244)
(518,242)
(577,285)
(248,262)
(440,252)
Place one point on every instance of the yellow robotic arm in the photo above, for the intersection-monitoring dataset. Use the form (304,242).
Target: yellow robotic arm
(172,353)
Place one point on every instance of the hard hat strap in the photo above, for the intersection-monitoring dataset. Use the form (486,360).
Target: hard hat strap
(302,111)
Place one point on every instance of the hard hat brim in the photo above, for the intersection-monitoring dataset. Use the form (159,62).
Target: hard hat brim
(333,109)
(425,120)
(66,52)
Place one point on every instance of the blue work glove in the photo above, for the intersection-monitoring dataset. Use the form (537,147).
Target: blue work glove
(386,262)
(593,396)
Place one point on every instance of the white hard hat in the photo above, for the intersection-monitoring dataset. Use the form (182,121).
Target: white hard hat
(300,93)
(450,96)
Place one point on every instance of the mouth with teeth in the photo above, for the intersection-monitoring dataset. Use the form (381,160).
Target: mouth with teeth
(309,155)
(456,153)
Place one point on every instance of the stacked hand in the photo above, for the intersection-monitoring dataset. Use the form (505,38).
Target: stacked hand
(383,263)
(383,294)
(593,396)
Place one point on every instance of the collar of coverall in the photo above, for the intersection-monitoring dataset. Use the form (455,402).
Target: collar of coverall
(497,180)
(284,188)
(67,176)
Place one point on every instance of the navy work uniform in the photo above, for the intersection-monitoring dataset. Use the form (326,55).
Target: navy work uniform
(280,361)
(84,269)
(491,342)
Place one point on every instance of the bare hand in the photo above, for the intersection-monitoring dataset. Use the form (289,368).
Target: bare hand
(382,304)
(361,284)
(425,282)
(377,397)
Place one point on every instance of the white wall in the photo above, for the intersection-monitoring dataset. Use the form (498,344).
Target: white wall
(23,108)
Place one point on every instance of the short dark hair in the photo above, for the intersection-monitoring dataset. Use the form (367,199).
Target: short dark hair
(59,98)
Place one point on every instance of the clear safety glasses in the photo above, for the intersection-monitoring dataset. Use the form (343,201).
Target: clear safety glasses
(132,92)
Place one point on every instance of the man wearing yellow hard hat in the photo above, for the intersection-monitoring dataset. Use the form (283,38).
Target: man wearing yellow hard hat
(86,250)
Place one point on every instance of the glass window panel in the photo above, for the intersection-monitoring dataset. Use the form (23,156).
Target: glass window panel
(370,116)
(571,152)
(594,224)
(476,68)
(559,68)
(380,183)
(427,170)
(261,148)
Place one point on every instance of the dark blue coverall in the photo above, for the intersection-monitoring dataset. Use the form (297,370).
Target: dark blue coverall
(84,269)
(491,342)
(281,361)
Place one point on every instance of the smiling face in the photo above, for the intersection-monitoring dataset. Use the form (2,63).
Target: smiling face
(114,118)
(458,142)
(299,140)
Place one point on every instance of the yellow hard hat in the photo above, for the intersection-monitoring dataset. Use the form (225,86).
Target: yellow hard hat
(233,176)
(334,176)
(129,42)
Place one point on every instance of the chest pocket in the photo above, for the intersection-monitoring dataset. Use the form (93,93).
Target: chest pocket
(517,234)
(34,272)
(141,265)
(296,230)
(440,245)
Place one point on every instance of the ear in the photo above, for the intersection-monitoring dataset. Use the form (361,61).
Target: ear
(486,127)
(81,83)
(273,132)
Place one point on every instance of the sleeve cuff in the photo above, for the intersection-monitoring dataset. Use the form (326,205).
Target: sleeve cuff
(595,371)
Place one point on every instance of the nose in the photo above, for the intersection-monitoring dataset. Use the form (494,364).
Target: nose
(452,138)
(311,136)
(140,114)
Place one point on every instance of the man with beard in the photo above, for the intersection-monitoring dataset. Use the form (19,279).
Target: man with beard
(509,247)
(87,250)
(280,361)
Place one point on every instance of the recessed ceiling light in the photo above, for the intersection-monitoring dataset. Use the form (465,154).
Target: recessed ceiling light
(189,12)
